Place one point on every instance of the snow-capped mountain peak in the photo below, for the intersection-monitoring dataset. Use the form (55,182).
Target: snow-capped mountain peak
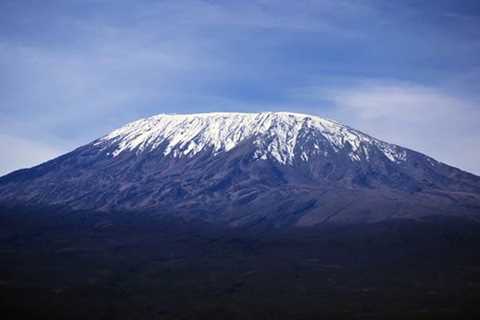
(277,135)
(247,168)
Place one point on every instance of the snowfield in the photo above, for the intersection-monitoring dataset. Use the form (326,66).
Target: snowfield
(277,135)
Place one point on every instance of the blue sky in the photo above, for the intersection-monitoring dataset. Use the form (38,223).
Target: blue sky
(407,72)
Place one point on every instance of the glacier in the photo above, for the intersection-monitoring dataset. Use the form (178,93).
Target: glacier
(276,135)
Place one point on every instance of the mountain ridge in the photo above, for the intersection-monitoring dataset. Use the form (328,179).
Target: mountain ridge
(229,129)
(238,169)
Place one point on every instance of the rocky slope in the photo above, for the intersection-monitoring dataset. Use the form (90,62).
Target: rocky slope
(243,169)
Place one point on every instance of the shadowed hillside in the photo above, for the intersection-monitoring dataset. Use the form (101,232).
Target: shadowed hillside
(76,266)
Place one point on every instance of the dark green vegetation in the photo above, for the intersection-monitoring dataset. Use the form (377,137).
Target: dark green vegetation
(93,266)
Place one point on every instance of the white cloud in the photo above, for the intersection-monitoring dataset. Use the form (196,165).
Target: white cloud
(418,117)
(69,76)
(22,153)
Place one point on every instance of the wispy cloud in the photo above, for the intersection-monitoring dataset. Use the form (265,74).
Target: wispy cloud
(73,70)
(21,153)
(422,118)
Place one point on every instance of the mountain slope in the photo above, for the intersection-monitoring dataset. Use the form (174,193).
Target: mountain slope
(241,169)
(276,134)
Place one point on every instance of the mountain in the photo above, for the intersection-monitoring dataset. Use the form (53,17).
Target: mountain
(242,169)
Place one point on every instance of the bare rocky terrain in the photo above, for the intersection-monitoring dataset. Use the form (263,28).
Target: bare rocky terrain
(296,170)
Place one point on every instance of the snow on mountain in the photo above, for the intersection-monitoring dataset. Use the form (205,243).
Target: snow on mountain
(276,135)
(241,169)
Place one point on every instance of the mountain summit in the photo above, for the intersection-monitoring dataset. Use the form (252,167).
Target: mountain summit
(276,168)
(280,136)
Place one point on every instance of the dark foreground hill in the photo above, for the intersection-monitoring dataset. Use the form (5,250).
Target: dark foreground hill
(86,265)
